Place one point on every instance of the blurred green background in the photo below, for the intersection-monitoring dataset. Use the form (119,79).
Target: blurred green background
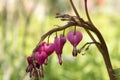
(23,22)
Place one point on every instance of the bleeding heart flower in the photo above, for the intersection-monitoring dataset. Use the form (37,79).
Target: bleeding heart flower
(58,46)
(48,48)
(40,57)
(45,48)
(74,38)
(30,67)
(29,60)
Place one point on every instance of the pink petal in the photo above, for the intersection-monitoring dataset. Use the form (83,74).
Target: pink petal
(78,37)
(62,39)
(41,71)
(60,59)
(57,46)
(40,57)
(29,59)
(40,48)
(49,48)
(74,38)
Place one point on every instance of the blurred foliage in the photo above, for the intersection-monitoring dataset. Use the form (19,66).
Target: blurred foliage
(59,6)
(19,34)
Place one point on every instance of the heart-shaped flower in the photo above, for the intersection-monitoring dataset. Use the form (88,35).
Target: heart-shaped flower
(74,38)
(48,48)
(58,46)
(45,48)
(40,57)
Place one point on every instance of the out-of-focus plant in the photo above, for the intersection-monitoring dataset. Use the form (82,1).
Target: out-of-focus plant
(12,37)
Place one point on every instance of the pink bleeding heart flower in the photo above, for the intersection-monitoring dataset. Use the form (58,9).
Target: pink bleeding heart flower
(40,57)
(74,38)
(30,66)
(58,46)
(40,48)
(48,48)
(29,60)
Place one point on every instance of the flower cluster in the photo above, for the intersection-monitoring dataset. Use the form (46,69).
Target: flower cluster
(44,50)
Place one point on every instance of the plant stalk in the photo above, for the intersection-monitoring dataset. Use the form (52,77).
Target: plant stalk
(103,49)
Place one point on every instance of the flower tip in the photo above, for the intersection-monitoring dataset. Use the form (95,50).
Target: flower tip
(60,59)
(60,62)
(29,68)
(46,61)
(41,72)
(74,52)
(29,60)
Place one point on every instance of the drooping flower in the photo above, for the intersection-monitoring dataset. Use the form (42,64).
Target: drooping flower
(43,51)
(40,57)
(30,66)
(58,46)
(74,38)
(29,60)
(48,48)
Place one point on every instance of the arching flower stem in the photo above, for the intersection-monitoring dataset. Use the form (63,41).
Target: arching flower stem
(88,26)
